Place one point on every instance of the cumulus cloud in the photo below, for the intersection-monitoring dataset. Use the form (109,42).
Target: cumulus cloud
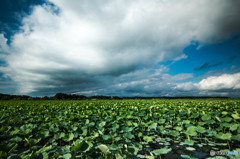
(90,44)
(225,81)
(221,85)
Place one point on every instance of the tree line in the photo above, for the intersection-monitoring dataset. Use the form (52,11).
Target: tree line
(63,96)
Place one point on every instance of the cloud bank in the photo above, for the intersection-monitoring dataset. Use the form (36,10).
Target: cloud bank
(75,46)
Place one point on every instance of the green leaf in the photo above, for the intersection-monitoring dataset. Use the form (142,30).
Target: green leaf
(218,119)
(91,124)
(87,121)
(45,149)
(162,121)
(147,138)
(84,131)
(82,146)
(69,137)
(135,124)
(16,139)
(174,133)
(128,123)
(74,128)
(118,156)
(235,116)
(201,129)
(59,135)
(128,135)
(44,134)
(206,117)
(141,156)
(104,149)
(224,113)
(14,132)
(66,156)
(223,136)
(234,127)
(153,126)
(113,147)
(201,123)
(186,121)
(190,148)
(106,137)
(178,128)
(161,151)
(150,157)
(225,124)
(140,134)
(210,122)
(133,150)
(191,131)
(117,138)
(227,119)
(127,129)
(102,124)
(195,115)
(115,127)
(188,142)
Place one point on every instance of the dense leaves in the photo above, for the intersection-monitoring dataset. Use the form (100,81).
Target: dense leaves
(117,128)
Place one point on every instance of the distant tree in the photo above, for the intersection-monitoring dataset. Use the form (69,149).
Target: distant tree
(62,96)
(59,96)
(45,98)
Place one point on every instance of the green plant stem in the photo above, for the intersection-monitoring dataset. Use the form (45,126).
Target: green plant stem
(200,138)
(229,146)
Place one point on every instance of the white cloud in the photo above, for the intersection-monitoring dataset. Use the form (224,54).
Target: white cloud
(222,85)
(187,86)
(225,81)
(89,39)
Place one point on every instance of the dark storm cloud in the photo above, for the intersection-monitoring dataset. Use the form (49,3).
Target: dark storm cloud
(208,65)
(230,21)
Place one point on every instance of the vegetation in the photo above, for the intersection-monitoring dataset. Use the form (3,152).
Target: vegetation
(119,128)
(63,96)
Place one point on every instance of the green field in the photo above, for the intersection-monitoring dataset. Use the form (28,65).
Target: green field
(119,128)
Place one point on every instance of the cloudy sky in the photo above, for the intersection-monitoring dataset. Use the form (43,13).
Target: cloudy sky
(120,47)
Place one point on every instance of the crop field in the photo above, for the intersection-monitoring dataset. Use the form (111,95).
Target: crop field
(178,128)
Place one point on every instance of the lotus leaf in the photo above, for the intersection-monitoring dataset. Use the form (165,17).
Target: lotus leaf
(161,151)
(104,149)
(223,136)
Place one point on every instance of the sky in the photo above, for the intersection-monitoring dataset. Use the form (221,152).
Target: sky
(120,47)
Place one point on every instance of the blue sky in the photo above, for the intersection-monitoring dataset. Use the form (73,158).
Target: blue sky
(212,57)
(123,48)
